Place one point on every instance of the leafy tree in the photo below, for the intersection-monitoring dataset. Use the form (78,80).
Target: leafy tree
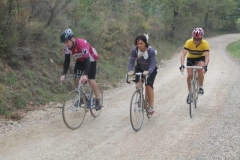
(218,14)
(180,16)
(48,10)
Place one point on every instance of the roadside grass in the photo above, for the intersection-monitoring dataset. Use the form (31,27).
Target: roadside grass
(234,49)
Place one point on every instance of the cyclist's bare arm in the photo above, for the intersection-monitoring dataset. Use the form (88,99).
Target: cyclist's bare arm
(184,52)
(206,58)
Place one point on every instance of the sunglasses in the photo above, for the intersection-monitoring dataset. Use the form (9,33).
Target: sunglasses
(197,39)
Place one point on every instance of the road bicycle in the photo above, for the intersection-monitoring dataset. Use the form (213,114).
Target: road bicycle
(77,102)
(194,87)
(139,101)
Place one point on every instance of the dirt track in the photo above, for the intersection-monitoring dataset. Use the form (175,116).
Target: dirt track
(212,133)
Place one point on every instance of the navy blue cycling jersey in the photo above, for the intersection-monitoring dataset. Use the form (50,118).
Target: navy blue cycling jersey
(146,60)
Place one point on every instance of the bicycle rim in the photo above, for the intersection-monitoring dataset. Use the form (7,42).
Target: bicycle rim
(136,111)
(93,111)
(74,110)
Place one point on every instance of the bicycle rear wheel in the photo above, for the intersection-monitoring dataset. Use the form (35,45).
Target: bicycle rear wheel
(93,111)
(74,109)
(137,110)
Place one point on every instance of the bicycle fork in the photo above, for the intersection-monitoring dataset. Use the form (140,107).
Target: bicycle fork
(139,101)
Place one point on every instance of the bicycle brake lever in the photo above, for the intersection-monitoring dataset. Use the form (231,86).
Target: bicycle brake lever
(127,79)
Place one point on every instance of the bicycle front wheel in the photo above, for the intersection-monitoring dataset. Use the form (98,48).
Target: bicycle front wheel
(196,88)
(74,109)
(95,113)
(191,105)
(137,110)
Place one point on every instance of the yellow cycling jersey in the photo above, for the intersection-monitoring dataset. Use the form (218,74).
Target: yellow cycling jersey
(196,51)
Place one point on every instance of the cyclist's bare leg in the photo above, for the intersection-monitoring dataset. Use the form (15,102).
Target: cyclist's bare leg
(200,73)
(189,77)
(95,88)
(150,95)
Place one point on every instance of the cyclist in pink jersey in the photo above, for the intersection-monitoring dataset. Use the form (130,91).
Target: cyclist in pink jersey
(86,57)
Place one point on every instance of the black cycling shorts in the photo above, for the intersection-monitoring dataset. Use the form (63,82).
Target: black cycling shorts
(193,61)
(80,67)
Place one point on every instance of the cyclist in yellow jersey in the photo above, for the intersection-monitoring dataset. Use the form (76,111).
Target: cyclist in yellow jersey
(197,51)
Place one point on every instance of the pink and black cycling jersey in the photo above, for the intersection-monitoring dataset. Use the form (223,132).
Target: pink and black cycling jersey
(81,50)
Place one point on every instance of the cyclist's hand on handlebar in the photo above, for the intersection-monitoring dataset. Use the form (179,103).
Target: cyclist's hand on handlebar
(205,68)
(84,79)
(130,73)
(145,73)
(181,68)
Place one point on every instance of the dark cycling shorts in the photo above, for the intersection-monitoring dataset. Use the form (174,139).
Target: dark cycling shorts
(80,67)
(150,79)
(193,61)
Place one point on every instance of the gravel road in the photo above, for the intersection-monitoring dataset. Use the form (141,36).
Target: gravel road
(212,133)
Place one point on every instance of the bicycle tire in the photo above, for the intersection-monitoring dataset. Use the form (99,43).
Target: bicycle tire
(137,110)
(74,109)
(196,88)
(191,103)
(93,111)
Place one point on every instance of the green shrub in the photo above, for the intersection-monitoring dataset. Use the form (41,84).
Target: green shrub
(234,49)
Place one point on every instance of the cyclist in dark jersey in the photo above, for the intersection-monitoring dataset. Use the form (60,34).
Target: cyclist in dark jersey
(145,56)
(86,57)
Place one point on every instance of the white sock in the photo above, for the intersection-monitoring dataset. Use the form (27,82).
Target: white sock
(201,87)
